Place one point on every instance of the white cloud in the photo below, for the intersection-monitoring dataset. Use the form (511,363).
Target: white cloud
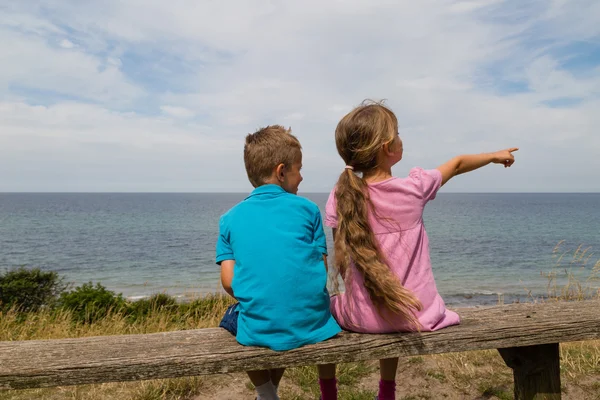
(465,76)
(295,116)
(29,22)
(29,62)
(468,6)
(89,148)
(179,112)
(66,44)
(548,81)
(114,61)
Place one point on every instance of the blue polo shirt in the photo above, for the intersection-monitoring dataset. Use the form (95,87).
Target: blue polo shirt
(277,241)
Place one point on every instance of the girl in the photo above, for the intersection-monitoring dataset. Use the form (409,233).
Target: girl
(381,247)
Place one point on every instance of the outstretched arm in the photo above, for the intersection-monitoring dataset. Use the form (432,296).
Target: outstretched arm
(227,275)
(466,163)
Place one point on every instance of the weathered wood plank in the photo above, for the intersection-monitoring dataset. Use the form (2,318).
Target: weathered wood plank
(536,371)
(45,363)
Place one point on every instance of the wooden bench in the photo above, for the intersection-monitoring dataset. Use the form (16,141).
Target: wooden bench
(527,336)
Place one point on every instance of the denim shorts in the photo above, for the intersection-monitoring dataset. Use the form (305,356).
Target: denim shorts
(230,319)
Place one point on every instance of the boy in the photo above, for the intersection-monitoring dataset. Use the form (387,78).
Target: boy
(272,252)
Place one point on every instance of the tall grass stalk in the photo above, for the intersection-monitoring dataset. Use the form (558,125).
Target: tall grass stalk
(573,276)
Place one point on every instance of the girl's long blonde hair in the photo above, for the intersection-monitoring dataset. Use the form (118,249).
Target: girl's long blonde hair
(359,137)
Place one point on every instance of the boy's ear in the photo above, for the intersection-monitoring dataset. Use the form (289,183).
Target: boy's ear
(280,172)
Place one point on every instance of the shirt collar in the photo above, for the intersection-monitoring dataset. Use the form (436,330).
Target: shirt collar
(267,189)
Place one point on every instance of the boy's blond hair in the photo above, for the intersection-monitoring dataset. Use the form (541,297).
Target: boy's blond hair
(268,147)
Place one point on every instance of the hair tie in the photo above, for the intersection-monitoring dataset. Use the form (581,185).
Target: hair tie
(350,167)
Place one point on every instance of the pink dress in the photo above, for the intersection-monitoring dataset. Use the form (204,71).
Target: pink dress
(399,229)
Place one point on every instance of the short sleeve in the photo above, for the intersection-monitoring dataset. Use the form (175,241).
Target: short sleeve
(428,181)
(331,211)
(224,250)
(318,233)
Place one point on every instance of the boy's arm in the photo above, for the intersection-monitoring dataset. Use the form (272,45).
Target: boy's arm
(466,163)
(227,275)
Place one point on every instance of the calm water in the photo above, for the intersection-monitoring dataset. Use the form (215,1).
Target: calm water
(139,244)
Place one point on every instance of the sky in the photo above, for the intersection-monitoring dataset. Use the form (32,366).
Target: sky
(157,96)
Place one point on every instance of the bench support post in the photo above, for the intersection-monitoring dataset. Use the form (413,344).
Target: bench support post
(536,371)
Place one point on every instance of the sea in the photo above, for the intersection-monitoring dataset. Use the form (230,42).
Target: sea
(486,248)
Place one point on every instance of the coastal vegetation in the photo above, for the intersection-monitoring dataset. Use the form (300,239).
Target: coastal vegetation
(36,304)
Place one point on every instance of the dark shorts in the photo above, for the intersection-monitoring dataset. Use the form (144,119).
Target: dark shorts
(229,321)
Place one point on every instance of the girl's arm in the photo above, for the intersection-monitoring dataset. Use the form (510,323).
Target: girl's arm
(466,163)
(227,275)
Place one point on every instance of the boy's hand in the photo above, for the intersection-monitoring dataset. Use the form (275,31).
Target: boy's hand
(504,157)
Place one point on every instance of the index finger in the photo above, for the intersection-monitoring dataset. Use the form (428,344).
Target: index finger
(513,149)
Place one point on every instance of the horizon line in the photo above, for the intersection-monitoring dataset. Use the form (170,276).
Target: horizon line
(247,192)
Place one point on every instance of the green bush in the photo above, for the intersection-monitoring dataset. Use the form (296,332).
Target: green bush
(29,289)
(159,302)
(90,303)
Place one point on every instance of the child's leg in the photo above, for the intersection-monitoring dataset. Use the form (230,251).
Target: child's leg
(276,375)
(388,367)
(327,381)
(387,384)
(265,381)
(261,380)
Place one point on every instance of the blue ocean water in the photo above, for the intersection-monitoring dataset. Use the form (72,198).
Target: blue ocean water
(482,245)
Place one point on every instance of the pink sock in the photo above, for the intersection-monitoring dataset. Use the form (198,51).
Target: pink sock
(328,389)
(387,390)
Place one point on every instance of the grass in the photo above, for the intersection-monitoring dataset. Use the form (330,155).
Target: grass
(48,324)
(440,376)
(348,375)
(499,393)
(470,374)
(574,277)
(173,389)
(167,389)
